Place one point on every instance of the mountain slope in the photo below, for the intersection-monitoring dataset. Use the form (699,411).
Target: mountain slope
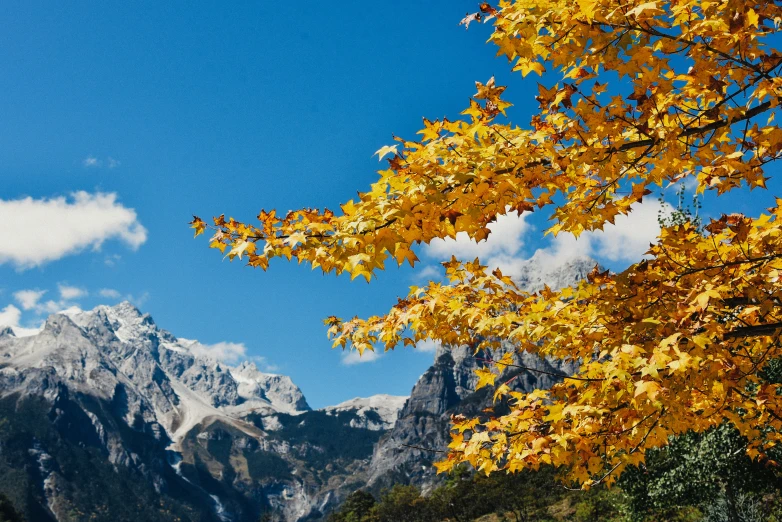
(107,393)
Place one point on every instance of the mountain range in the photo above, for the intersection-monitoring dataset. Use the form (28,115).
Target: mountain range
(106,416)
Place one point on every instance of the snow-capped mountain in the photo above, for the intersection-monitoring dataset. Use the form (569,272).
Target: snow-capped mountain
(541,269)
(378,412)
(109,389)
(97,351)
(103,404)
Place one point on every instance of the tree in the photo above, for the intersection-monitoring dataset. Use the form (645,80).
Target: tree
(677,341)
(357,507)
(402,504)
(703,470)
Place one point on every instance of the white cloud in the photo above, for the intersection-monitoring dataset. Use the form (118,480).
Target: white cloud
(138,300)
(109,293)
(506,238)
(427,346)
(28,299)
(263,364)
(37,231)
(51,307)
(31,299)
(11,316)
(625,241)
(429,273)
(69,293)
(352,357)
(229,353)
(91,162)
(71,311)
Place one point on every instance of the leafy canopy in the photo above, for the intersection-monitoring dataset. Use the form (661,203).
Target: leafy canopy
(677,341)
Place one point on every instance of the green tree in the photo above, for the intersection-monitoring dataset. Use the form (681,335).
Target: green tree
(403,504)
(459,499)
(358,507)
(709,470)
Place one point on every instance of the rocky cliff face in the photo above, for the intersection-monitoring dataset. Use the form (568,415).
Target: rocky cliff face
(448,387)
(107,393)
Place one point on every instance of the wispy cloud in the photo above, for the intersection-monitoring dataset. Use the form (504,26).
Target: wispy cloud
(28,299)
(627,240)
(229,353)
(112,259)
(429,273)
(352,357)
(427,346)
(32,300)
(109,293)
(91,162)
(57,227)
(506,238)
(69,293)
(10,316)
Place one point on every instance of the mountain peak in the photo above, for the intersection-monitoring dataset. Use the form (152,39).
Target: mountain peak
(126,309)
(127,314)
(56,323)
(278,390)
(383,407)
(7,331)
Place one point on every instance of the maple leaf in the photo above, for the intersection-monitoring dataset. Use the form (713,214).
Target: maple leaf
(646,6)
(485,378)
(240,248)
(198,225)
(752,18)
(383,151)
(469,18)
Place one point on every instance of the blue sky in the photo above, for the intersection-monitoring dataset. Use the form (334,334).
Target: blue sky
(122,120)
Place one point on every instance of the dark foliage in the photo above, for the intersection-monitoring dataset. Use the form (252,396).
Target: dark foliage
(8,512)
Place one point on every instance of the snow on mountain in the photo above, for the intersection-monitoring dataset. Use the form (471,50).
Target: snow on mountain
(110,379)
(378,412)
(117,349)
(277,390)
(540,269)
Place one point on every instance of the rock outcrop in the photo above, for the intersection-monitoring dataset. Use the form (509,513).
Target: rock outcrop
(403,454)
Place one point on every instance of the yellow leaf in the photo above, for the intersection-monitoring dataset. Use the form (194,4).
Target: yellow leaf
(485,378)
(240,248)
(650,388)
(383,151)
(198,225)
(647,6)
(752,19)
